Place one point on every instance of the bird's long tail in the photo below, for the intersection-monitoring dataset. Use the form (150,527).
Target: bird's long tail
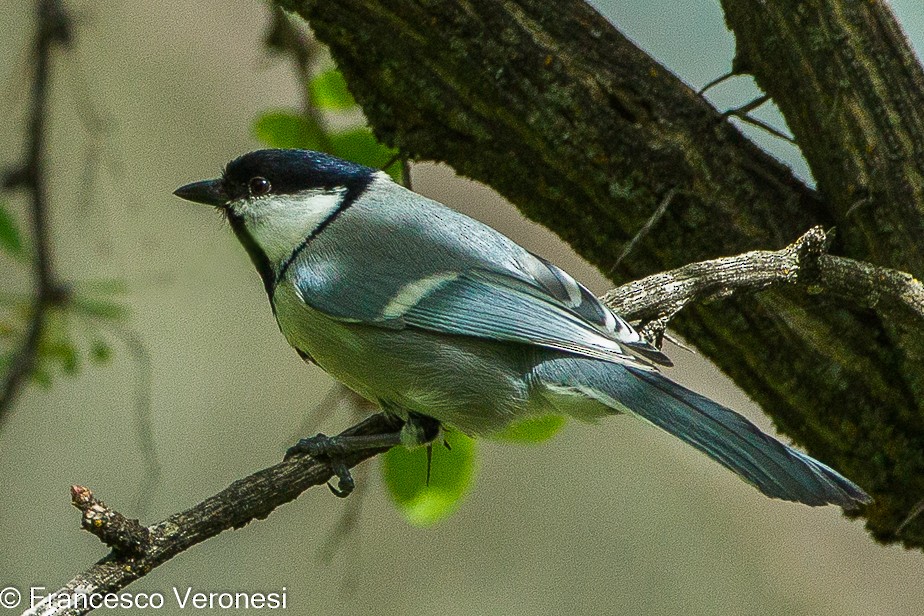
(773,468)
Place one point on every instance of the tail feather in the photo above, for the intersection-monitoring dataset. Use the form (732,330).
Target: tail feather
(772,467)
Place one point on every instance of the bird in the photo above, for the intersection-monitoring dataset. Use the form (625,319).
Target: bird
(442,321)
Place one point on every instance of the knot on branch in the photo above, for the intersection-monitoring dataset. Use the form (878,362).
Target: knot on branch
(56,294)
(808,250)
(114,529)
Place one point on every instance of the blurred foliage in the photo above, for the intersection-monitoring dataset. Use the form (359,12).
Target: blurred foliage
(10,237)
(48,326)
(329,91)
(289,130)
(310,129)
(73,329)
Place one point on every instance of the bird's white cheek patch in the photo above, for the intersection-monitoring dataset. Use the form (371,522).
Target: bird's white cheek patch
(412,293)
(279,224)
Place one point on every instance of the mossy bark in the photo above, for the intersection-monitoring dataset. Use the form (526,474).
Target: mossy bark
(549,104)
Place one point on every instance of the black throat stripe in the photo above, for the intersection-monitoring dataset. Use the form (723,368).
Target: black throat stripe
(354,190)
(256,254)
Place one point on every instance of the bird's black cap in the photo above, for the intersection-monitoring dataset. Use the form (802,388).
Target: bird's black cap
(287,171)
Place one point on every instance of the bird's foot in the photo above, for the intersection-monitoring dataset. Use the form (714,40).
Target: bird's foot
(337,450)
(317,446)
(333,450)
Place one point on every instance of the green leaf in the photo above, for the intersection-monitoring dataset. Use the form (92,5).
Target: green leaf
(360,146)
(10,238)
(405,474)
(533,430)
(61,351)
(329,91)
(68,359)
(289,130)
(41,377)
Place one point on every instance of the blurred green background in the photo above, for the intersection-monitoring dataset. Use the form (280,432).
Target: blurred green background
(615,518)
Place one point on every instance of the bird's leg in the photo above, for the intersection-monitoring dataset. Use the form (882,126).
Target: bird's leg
(421,430)
(335,449)
(417,430)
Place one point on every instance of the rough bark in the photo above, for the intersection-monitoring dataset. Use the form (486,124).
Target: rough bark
(586,134)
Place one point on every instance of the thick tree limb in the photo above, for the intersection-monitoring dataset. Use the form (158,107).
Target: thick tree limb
(137,549)
(586,134)
(852,91)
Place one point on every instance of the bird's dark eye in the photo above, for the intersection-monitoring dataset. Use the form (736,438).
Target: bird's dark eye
(259,186)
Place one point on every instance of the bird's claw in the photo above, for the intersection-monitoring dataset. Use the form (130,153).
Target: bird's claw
(345,482)
(331,450)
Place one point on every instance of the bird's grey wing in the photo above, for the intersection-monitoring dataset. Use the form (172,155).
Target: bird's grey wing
(429,267)
(484,304)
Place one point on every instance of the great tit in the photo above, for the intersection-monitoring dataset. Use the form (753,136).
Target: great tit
(440,319)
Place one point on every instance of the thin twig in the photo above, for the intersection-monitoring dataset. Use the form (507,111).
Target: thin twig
(406,173)
(348,522)
(717,81)
(287,37)
(144,425)
(652,220)
(321,412)
(54,28)
(804,264)
(916,511)
(747,107)
(743,113)
(749,119)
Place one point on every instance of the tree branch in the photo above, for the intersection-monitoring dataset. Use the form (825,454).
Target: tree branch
(54,28)
(804,263)
(136,550)
(852,92)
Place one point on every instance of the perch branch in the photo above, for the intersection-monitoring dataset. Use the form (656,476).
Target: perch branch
(136,550)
